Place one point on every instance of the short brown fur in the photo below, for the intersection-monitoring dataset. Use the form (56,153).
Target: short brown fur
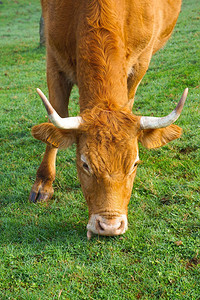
(105,47)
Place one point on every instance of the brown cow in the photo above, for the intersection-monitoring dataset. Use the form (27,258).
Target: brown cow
(103,46)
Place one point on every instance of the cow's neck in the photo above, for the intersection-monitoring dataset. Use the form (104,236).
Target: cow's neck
(102,77)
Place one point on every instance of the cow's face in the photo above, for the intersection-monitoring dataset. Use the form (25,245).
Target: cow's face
(107,157)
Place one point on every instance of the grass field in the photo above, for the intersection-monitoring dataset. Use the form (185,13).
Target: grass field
(44,252)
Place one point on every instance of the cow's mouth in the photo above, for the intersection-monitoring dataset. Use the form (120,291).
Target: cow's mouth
(108,227)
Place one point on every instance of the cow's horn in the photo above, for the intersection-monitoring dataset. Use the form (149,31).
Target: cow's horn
(154,122)
(64,123)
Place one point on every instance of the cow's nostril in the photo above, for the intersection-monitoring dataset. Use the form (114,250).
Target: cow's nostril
(111,228)
(122,224)
(100,226)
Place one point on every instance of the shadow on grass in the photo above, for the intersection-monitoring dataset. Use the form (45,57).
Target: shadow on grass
(26,232)
(35,224)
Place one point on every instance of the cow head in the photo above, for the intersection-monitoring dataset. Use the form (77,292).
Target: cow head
(107,156)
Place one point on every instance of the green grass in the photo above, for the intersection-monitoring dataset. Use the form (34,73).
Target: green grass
(44,253)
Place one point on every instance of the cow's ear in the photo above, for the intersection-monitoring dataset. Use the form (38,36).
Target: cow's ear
(53,136)
(155,138)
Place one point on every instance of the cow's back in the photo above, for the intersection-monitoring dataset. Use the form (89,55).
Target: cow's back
(146,24)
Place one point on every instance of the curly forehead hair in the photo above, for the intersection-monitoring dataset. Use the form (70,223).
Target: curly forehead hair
(110,124)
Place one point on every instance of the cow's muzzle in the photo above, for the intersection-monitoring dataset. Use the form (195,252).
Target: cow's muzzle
(106,226)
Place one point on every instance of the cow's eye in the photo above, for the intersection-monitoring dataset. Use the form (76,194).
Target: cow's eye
(85,166)
(137,163)
(134,166)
